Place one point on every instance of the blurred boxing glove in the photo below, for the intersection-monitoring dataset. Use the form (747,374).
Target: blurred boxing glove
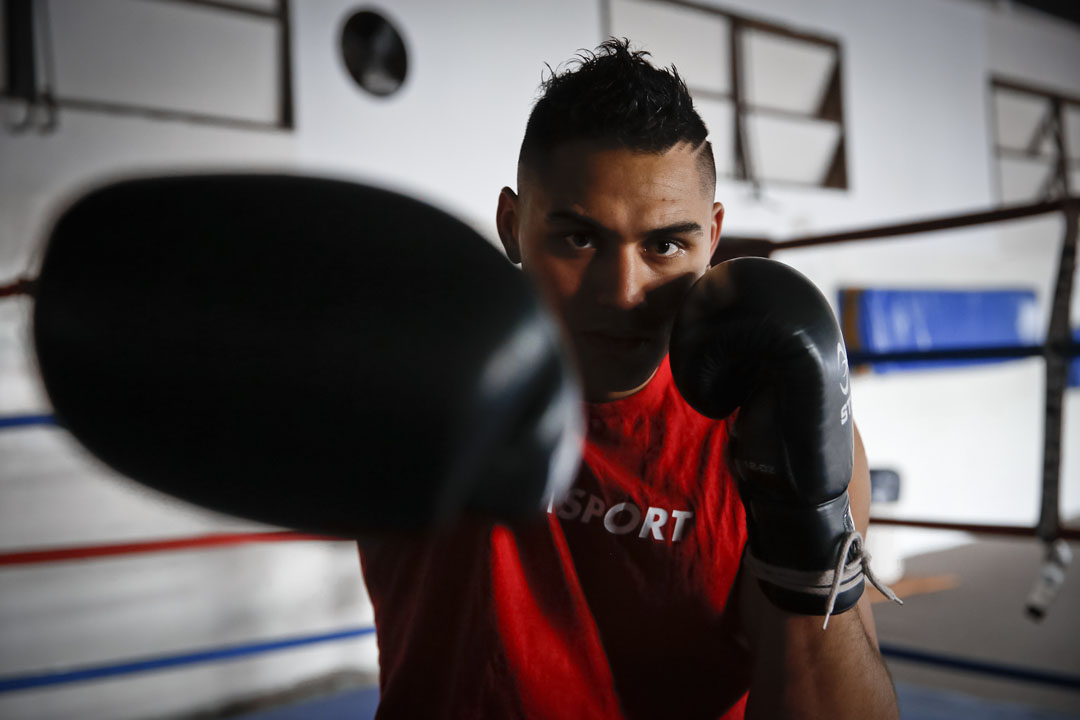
(303,352)
(756,335)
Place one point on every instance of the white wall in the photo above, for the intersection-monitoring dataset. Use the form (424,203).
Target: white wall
(968,443)
(451,135)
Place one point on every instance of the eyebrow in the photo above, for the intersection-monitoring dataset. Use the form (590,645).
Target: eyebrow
(680,228)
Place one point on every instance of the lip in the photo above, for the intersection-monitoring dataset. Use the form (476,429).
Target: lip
(617,341)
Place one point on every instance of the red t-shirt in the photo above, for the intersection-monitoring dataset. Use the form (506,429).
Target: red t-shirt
(608,607)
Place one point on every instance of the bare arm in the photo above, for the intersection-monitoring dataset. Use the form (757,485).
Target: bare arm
(802,671)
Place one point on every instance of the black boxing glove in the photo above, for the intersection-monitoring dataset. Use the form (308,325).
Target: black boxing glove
(756,335)
(309,353)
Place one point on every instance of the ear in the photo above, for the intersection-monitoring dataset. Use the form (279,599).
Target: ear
(506,220)
(714,229)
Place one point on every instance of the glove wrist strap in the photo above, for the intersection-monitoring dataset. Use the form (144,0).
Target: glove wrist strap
(842,583)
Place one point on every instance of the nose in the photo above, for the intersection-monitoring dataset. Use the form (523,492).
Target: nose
(620,277)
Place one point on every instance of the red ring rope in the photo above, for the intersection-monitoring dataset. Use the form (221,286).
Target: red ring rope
(47,555)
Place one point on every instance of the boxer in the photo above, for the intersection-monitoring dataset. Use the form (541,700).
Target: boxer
(639,596)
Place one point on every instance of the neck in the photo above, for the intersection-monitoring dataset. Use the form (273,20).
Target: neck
(606,396)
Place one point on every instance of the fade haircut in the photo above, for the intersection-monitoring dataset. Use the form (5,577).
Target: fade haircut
(615,97)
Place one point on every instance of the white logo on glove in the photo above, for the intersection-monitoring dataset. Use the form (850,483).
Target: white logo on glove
(841,359)
(845,382)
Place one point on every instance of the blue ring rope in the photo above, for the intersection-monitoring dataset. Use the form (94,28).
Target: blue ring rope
(230,652)
(1044,677)
(15,421)
(63,677)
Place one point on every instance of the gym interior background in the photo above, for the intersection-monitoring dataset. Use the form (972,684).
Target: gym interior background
(825,116)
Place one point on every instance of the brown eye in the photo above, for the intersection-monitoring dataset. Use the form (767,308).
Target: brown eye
(666,248)
(579,242)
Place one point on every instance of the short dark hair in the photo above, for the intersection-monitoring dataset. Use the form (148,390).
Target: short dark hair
(615,96)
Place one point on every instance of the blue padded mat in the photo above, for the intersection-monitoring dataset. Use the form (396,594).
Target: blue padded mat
(890,320)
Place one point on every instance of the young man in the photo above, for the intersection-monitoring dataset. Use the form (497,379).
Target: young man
(626,601)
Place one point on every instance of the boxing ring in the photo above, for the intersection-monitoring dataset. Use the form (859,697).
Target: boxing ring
(1057,351)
